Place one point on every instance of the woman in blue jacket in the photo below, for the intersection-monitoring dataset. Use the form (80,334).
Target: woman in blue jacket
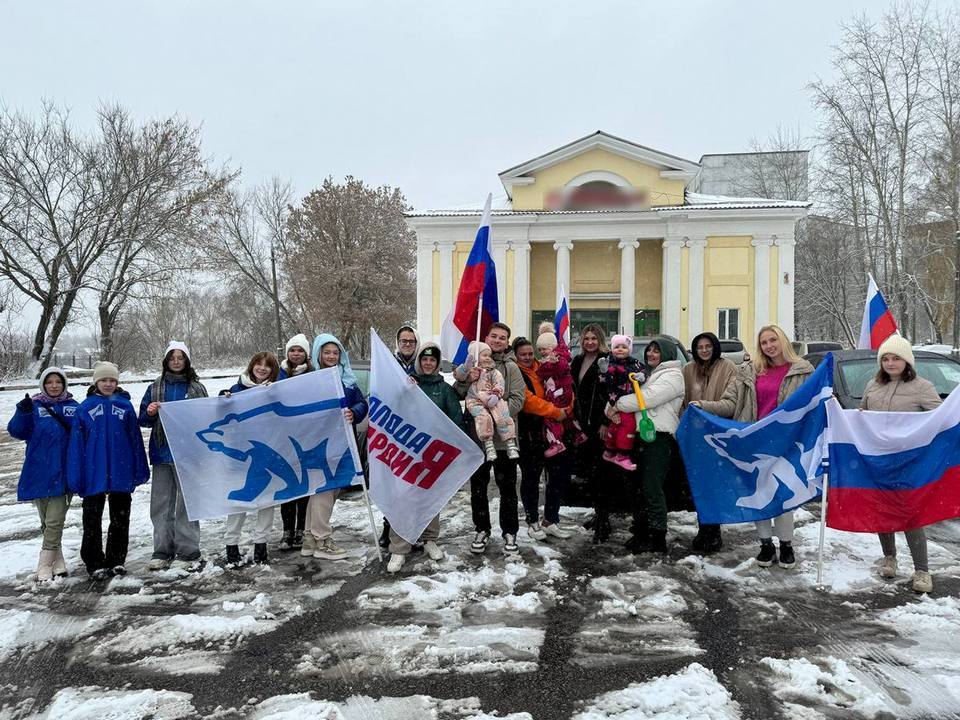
(44,421)
(328,352)
(175,537)
(106,462)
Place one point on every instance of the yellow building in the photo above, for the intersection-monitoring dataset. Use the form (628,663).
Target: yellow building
(621,227)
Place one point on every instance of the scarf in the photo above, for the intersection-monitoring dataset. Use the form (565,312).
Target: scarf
(298,370)
(42,397)
(157,394)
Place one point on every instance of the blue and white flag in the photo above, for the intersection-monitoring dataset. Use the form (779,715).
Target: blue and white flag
(262,446)
(742,472)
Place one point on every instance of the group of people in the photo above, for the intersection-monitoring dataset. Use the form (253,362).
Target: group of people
(538,415)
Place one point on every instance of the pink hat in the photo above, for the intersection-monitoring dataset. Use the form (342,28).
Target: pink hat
(621,340)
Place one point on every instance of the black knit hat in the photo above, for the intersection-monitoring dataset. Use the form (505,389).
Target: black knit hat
(430,351)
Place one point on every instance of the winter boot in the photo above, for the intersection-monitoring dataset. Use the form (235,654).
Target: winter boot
(396,562)
(286,542)
(787,559)
(637,543)
(490,450)
(658,541)
(768,554)
(513,452)
(260,554)
(297,539)
(707,540)
(233,555)
(59,564)
(45,565)
(384,541)
(480,540)
(922,581)
(888,566)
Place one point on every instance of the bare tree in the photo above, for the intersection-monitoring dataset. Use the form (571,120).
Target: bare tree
(775,168)
(352,259)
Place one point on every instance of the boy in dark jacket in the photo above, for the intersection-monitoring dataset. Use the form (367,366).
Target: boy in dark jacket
(106,462)
(428,377)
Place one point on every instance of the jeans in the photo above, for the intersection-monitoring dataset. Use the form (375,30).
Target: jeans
(53,513)
(174,534)
(505,475)
(118,532)
(293,514)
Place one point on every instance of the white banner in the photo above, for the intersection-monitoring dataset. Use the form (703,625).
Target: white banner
(417,456)
(262,446)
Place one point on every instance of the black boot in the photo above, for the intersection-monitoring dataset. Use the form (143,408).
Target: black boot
(658,541)
(638,544)
(787,559)
(298,539)
(768,553)
(601,528)
(385,534)
(233,555)
(286,542)
(707,540)
(260,554)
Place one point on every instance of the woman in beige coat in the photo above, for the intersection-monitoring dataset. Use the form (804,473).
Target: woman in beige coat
(705,381)
(896,388)
(761,386)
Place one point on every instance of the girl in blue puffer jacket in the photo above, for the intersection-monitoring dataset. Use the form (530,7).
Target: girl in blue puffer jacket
(44,421)
(106,461)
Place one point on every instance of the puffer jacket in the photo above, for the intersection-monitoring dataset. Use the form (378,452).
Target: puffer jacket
(515,390)
(917,395)
(44,471)
(663,396)
(535,408)
(739,402)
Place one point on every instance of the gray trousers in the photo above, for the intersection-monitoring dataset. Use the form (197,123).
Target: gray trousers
(916,541)
(399,546)
(53,513)
(781,526)
(174,535)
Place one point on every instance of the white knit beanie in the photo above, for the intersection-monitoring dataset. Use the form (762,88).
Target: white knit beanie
(896,345)
(546,341)
(300,341)
(177,345)
(472,348)
(102,370)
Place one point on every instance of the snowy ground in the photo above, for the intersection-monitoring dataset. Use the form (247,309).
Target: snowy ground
(563,631)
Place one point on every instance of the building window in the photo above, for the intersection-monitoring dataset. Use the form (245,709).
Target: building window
(646,322)
(607,319)
(728,323)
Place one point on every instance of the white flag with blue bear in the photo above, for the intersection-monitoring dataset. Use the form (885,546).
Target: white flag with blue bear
(262,446)
(743,472)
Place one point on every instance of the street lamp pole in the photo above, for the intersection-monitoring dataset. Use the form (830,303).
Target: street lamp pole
(276,296)
(956,289)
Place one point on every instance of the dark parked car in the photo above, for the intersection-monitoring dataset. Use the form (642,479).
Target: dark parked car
(853,369)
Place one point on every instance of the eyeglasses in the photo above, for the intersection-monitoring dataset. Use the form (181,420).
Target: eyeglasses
(408,342)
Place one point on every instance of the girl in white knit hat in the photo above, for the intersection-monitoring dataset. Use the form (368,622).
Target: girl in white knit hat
(293,513)
(897,388)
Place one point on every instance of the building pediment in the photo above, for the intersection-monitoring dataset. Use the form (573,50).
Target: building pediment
(667,167)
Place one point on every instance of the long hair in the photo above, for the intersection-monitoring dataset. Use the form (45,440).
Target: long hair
(306,360)
(601,334)
(187,367)
(882,377)
(760,361)
(268,359)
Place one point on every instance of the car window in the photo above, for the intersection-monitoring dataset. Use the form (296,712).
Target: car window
(731,346)
(363,380)
(944,375)
(823,346)
(856,374)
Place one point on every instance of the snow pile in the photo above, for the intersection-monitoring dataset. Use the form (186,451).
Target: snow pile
(830,683)
(296,707)
(12,623)
(638,594)
(692,694)
(175,630)
(95,703)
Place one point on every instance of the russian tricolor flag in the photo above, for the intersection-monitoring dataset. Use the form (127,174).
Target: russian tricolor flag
(893,471)
(561,319)
(878,323)
(476,307)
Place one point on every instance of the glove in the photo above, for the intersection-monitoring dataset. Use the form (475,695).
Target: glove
(469,362)
(493,401)
(602,364)
(25,405)
(641,378)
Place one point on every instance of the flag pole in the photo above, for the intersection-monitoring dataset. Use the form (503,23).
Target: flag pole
(476,358)
(373,523)
(823,523)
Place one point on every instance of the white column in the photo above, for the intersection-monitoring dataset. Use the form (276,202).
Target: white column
(670,292)
(425,289)
(446,278)
(521,289)
(499,252)
(563,248)
(628,300)
(695,301)
(786,279)
(761,282)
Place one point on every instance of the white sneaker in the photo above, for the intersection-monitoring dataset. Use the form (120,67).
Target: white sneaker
(396,562)
(190,566)
(888,566)
(535,531)
(556,531)
(433,550)
(157,564)
(510,544)
(922,582)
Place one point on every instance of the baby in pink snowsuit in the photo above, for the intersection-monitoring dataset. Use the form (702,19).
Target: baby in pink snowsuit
(486,405)
(554,371)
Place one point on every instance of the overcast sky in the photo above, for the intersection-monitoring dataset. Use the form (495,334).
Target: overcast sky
(433,97)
